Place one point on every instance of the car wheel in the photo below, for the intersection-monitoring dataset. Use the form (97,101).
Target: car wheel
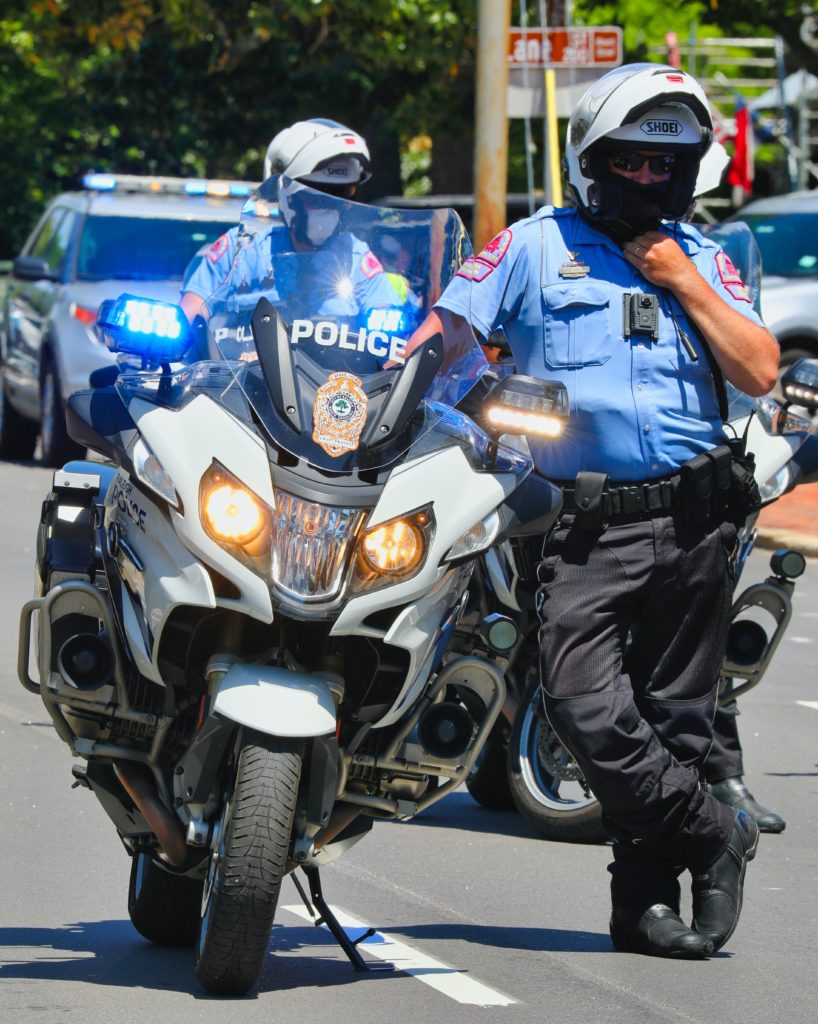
(18,436)
(57,447)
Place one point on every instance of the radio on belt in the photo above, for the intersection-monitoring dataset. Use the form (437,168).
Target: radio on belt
(640,314)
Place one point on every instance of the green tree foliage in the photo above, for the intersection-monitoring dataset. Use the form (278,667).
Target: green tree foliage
(200,86)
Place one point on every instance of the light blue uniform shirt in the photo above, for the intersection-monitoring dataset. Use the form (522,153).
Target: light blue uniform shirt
(638,408)
(269,260)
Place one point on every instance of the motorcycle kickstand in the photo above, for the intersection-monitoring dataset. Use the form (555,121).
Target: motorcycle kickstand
(331,921)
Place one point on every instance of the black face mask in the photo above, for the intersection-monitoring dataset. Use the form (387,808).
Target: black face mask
(629,209)
(642,205)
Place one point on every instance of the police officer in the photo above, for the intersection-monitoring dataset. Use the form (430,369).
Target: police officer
(315,158)
(638,315)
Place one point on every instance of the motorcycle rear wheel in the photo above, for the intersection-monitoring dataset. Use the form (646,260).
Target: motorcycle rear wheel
(163,907)
(247,863)
(546,783)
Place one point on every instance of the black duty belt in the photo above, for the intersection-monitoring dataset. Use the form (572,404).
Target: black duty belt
(630,499)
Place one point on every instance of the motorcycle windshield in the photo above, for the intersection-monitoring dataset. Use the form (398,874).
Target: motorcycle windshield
(316,317)
(738,241)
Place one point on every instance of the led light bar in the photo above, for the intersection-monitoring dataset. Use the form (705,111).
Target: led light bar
(96,182)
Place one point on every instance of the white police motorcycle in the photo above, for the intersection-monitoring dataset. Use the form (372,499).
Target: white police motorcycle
(241,612)
(524,765)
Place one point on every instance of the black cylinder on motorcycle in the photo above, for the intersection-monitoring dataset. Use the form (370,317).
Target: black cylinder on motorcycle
(86,661)
(746,642)
(446,730)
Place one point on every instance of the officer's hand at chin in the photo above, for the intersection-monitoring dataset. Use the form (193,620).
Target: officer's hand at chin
(658,258)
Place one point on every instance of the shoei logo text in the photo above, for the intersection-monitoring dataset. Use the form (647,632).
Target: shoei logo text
(325,332)
(657,127)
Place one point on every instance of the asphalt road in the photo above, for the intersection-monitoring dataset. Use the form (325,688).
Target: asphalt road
(489,923)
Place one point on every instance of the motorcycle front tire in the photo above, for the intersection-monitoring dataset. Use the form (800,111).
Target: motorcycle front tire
(163,907)
(547,786)
(248,863)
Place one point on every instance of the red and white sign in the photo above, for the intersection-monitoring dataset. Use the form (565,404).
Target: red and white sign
(565,47)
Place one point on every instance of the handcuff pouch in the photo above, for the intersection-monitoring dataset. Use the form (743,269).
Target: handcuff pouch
(589,496)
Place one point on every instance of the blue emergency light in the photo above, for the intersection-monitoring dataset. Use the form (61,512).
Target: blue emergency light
(388,319)
(99,182)
(157,331)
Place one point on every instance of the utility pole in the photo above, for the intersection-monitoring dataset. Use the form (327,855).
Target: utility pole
(491,120)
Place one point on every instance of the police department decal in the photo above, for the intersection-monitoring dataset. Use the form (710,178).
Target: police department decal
(478,268)
(496,248)
(730,277)
(218,249)
(339,414)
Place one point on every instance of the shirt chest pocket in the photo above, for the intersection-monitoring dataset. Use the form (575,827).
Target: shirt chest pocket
(577,328)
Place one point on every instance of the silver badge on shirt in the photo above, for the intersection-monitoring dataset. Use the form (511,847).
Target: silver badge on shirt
(573,267)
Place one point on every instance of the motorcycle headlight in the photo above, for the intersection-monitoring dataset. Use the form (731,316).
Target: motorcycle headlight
(152,473)
(231,513)
(478,538)
(394,549)
(777,420)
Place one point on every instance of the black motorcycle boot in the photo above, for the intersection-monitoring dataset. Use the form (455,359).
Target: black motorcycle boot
(718,889)
(734,793)
(645,915)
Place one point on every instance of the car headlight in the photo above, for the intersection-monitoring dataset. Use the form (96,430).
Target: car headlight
(231,513)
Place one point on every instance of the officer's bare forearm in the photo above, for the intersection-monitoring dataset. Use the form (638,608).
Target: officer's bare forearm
(454,328)
(193,306)
(746,352)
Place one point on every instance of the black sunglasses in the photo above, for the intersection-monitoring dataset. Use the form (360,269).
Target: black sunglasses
(629,161)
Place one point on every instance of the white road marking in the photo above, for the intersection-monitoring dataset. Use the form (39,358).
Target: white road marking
(446,980)
(801,640)
(808,704)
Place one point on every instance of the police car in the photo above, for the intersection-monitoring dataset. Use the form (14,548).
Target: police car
(786,229)
(121,233)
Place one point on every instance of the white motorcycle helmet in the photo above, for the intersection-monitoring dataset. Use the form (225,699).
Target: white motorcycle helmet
(324,156)
(645,107)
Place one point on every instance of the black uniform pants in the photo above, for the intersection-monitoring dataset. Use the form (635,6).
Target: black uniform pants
(725,760)
(633,630)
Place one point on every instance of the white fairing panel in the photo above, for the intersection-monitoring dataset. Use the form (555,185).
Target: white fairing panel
(460,499)
(186,441)
(275,701)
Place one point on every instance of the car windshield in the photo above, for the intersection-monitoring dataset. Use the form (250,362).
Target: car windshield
(788,242)
(142,248)
(322,298)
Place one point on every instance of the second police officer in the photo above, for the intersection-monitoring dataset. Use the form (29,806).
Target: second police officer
(638,315)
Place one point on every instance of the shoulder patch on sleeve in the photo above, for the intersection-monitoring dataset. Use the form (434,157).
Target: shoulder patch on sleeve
(371,265)
(496,248)
(218,249)
(474,269)
(730,277)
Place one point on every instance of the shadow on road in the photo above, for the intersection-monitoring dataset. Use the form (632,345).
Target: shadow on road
(111,953)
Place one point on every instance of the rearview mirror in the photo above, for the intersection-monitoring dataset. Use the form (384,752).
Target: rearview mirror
(34,268)
(159,332)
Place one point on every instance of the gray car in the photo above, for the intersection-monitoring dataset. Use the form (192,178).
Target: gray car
(122,233)
(786,229)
